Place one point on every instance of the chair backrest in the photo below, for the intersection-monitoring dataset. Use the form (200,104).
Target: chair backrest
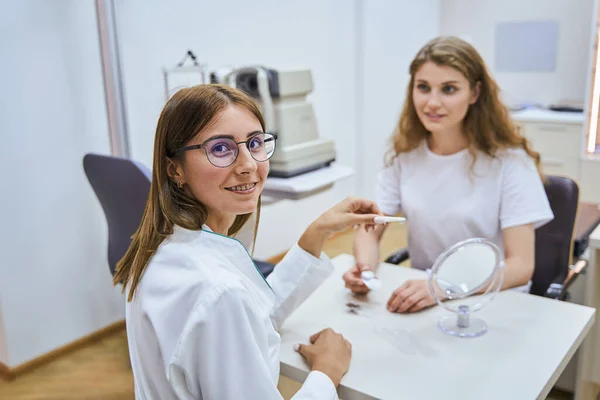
(122,187)
(554,241)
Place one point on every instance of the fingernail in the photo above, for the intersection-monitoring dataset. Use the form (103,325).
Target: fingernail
(355,227)
(296,347)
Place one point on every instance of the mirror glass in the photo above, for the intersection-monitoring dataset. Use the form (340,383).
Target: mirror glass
(467,270)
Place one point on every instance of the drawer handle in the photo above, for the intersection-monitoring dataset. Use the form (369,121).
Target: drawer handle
(553,128)
(553,162)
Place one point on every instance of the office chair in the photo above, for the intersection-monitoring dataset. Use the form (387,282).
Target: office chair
(553,272)
(122,187)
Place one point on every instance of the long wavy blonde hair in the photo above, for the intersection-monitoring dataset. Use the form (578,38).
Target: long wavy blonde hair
(487,124)
(187,113)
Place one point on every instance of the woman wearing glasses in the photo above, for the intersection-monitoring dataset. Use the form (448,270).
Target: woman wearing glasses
(201,319)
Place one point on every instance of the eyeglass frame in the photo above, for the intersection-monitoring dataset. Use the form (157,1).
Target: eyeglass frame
(246,142)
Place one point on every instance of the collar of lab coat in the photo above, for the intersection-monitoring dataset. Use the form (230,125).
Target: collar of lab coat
(228,248)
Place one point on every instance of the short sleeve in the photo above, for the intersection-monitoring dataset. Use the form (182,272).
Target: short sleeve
(387,190)
(523,198)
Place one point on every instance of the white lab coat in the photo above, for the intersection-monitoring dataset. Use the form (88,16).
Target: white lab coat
(202,323)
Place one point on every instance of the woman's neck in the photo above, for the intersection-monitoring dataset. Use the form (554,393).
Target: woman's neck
(447,142)
(220,224)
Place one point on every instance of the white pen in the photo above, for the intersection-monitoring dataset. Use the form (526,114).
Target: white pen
(385,219)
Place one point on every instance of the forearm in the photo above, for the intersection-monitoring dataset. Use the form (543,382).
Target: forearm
(519,255)
(294,279)
(366,248)
(313,239)
(517,272)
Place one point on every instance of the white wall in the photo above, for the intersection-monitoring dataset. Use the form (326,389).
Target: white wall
(393,32)
(477,19)
(54,280)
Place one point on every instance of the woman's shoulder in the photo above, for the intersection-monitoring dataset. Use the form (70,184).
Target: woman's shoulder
(183,269)
(514,157)
(191,287)
(512,152)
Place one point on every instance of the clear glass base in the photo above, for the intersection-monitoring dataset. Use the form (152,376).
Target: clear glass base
(475,327)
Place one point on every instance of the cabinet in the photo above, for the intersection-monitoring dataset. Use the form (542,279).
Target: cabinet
(559,138)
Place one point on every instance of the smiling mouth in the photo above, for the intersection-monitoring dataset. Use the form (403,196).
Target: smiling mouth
(435,116)
(242,188)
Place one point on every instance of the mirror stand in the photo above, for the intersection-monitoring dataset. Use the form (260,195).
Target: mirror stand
(464,325)
(468,275)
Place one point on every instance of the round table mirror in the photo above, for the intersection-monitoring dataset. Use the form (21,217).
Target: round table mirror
(462,280)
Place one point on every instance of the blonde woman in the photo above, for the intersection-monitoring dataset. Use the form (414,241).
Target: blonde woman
(458,169)
(201,319)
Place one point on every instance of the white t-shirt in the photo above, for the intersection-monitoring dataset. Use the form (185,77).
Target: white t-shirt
(445,201)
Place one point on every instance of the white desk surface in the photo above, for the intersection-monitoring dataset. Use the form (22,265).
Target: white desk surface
(540,115)
(529,342)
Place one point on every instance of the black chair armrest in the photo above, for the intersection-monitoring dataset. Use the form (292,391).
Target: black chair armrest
(558,289)
(264,267)
(398,257)
(555,291)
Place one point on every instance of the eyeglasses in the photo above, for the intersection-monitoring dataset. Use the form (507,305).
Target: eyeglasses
(222,152)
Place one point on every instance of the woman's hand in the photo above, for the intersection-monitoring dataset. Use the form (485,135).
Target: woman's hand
(410,297)
(353,280)
(329,353)
(348,213)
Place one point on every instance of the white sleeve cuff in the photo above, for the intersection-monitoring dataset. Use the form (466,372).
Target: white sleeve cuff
(309,258)
(317,386)
(537,220)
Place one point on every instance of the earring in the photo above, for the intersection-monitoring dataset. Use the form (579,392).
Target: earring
(180,185)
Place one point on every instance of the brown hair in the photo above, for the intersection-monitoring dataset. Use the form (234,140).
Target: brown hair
(187,113)
(487,124)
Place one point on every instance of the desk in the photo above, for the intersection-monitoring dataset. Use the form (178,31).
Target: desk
(520,357)
(588,376)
